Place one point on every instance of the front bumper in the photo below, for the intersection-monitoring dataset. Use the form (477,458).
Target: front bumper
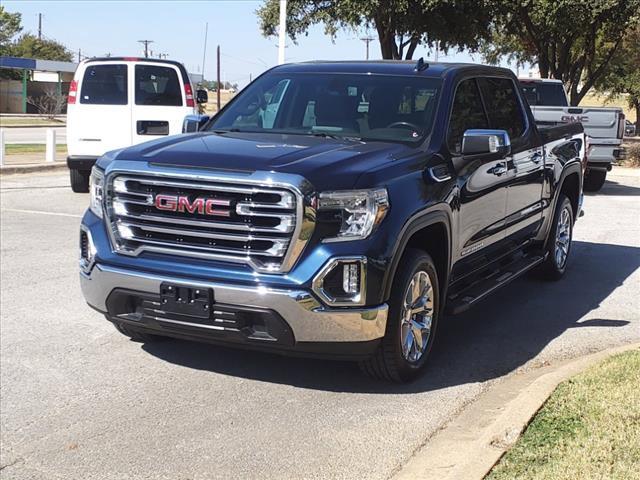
(300,321)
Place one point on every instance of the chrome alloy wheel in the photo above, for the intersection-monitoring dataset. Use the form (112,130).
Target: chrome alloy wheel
(417,315)
(563,237)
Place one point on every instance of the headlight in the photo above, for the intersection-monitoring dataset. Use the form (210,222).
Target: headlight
(96,189)
(361,211)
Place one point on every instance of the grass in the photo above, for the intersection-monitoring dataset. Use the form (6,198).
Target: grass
(588,429)
(5,122)
(25,148)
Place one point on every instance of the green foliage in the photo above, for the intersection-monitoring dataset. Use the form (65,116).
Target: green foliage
(401,25)
(9,28)
(29,46)
(570,40)
(623,76)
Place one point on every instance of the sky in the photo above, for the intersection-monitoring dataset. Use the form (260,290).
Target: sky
(178,29)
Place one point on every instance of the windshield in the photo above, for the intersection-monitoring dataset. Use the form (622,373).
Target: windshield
(367,107)
(548,94)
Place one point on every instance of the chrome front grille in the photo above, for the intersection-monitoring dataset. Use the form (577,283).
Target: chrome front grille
(232,222)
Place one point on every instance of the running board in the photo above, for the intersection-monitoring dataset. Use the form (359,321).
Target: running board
(465,299)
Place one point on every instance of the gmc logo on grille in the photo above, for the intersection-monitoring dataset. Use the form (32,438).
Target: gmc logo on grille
(201,205)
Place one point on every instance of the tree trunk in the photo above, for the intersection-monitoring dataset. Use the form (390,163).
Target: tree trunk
(412,48)
(637,104)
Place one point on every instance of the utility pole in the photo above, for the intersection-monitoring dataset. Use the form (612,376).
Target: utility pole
(282,31)
(367,40)
(79,55)
(39,26)
(218,75)
(204,54)
(146,47)
(437,50)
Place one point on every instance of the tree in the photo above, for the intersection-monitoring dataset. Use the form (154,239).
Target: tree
(401,25)
(50,103)
(570,40)
(9,28)
(30,46)
(623,77)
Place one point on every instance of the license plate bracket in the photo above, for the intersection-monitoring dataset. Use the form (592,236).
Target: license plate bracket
(186,300)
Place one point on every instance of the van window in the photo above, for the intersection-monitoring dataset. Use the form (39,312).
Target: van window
(104,85)
(157,85)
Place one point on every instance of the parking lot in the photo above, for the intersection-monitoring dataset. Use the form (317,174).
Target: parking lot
(81,401)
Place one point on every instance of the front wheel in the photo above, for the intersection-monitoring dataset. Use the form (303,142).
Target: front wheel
(594,180)
(414,308)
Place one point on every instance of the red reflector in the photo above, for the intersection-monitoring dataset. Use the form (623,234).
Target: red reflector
(73,92)
(188,93)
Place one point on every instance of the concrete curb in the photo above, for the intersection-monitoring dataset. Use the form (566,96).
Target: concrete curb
(47,125)
(37,167)
(473,443)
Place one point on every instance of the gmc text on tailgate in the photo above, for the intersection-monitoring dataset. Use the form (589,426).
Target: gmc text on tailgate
(333,209)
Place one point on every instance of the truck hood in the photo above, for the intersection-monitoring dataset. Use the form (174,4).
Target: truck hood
(325,162)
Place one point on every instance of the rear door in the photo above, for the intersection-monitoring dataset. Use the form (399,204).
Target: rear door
(159,103)
(525,168)
(99,121)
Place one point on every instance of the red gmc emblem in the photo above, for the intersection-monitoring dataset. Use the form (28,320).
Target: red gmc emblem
(201,205)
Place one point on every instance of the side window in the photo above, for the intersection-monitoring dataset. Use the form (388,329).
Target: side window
(104,85)
(503,107)
(467,113)
(157,85)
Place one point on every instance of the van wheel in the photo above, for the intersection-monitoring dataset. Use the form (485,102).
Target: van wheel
(79,180)
(594,180)
(559,241)
(137,335)
(414,308)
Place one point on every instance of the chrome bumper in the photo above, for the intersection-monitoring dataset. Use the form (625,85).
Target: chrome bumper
(308,319)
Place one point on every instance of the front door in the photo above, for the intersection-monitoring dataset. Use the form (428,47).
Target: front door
(483,193)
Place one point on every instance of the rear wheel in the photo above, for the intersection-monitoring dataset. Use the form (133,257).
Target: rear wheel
(136,335)
(594,180)
(559,241)
(79,180)
(411,325)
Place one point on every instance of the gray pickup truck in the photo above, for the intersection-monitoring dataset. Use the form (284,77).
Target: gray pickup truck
(604,126)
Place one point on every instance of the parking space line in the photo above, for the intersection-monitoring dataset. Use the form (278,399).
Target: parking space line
(58,214)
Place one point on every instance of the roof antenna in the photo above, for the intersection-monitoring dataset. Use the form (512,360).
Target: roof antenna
(421,65)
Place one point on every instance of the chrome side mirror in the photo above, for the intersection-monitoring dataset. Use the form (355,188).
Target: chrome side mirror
(194,123)
(476,142)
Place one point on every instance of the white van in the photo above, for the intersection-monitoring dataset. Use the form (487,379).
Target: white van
(119,102)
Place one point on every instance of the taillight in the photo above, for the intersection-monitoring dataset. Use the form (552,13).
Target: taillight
(188,93)
(621,125)
(73,92)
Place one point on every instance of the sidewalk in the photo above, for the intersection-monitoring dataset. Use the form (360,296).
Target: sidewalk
(31,162)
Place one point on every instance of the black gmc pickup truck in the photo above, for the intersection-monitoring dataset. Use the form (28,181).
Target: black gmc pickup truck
(337,209)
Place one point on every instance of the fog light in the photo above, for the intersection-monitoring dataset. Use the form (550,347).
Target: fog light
(351,278)
(342,281)
(87,250)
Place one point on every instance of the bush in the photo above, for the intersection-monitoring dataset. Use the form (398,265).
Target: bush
(633,155)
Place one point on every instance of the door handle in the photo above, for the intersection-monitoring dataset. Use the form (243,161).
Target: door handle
(498,170)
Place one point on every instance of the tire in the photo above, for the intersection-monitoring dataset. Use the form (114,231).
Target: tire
(555,265)
(390,361)
(79,180)
(137,335)
(594,180)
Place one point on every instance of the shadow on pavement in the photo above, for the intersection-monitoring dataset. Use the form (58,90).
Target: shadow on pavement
(613,188)
(491,340)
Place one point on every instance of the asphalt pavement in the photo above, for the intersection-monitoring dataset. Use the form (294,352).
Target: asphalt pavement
(80,401)
(33,134)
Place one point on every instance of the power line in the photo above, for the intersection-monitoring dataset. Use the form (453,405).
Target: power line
(146,46)
(367,40)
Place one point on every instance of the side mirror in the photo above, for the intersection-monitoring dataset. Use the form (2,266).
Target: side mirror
(194,123)
(475,142)
(202,96)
